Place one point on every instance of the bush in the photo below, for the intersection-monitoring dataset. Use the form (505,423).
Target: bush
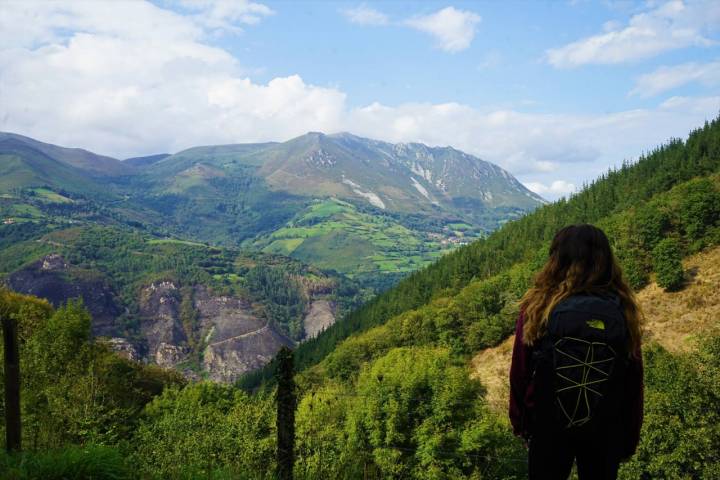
(681,432)
(667,264)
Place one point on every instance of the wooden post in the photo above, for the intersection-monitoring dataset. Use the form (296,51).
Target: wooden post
(285,421)
(12,384)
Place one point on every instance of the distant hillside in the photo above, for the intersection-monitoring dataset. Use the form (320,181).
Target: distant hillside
(636,204)
(89,162)
(23,166)
(396,177)
(204,311)
(368,209)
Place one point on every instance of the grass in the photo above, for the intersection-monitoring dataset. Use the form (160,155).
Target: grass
(92,462)
(334,234)
(165,241)
(22,210)
(48,195)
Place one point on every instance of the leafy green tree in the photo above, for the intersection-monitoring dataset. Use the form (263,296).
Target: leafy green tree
(410,418)
(699,207)
(681,430)
(652,221)
(667,264)
(205,427)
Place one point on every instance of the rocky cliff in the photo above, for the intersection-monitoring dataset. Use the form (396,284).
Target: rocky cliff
(54,279)
(189,328)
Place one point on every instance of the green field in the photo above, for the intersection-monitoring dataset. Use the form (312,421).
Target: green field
(333,234)
(160,241)
(48,195)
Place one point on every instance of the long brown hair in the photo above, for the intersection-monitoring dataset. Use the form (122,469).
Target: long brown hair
(580,261)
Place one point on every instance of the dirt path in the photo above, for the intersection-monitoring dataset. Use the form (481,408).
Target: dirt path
(244,335)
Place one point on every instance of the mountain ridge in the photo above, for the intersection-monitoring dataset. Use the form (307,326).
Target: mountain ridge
(388,208)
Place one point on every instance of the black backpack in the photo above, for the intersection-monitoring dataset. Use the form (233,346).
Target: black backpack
(580,362)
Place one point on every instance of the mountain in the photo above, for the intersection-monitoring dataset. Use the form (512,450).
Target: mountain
(390,391)
(366,208)
(23,166)
(146,160)
(396,177)
(89,162)
(472,290)
(371,210)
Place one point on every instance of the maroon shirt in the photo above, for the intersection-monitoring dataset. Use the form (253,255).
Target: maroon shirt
(521,392)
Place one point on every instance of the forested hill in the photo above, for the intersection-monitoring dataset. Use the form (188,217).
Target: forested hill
(625,189)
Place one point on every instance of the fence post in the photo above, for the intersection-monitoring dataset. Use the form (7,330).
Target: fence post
(285,421)
(12,383)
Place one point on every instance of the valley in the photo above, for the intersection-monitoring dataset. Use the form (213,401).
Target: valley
(408,384)
(288,236)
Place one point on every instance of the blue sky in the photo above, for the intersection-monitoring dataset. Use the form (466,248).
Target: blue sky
(555,92)
(503,66)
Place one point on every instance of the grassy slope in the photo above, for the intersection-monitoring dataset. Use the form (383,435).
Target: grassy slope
(333,234)
(675,320)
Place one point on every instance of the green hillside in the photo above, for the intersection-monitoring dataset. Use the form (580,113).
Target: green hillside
(22,166)
(388,393)
(89,162)
(337,235)
(628,189)
(403,205)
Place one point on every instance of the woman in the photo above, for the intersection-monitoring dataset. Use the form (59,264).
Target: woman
(576,381)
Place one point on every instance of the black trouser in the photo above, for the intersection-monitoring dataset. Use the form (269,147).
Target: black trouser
(551,454)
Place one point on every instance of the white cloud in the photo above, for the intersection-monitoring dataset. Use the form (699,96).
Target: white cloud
(667,78)
(137,78)
(671,25)
(225,15)
(555,189)
(453,29)
(364,15)
(122,88)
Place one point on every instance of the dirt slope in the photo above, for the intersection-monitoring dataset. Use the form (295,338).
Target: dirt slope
(672,319)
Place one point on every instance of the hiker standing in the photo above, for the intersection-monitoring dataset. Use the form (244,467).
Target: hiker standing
(576,380)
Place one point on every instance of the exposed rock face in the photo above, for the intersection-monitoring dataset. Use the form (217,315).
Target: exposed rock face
(226,360)
(160,323)
(224,317)
(53,262)
(55,280)
(320,317)
(237,340)
(124,348)
(167,355)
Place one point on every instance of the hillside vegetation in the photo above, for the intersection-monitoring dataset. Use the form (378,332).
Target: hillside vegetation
(388,392)
(620,201)
(402,205)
